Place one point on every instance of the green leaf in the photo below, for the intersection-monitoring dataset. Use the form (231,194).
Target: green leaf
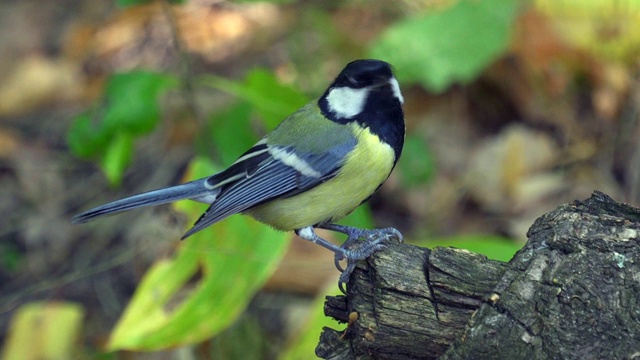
(132,101)
(416,165)
(130,110)
(230,133)
(440,48)
(232,260)
(117,157)
(492,246)
(125,3)
(10,257)
(86,138)
(270,99)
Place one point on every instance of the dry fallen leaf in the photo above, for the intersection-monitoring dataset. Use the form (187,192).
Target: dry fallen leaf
(9,143)
(144,35)
(499,167)
(36,81)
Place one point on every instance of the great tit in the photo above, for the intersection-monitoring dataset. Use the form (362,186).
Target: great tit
(317,166)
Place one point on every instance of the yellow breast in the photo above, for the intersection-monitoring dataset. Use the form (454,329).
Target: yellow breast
(365,168)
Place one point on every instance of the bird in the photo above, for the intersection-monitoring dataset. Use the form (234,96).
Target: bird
(317,166)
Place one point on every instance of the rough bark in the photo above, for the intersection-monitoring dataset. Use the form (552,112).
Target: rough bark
(572,292)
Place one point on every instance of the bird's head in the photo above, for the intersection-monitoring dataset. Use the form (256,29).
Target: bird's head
(363,85)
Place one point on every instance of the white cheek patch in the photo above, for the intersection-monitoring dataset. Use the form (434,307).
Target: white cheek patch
(291,159)
(347,102)
(396,89)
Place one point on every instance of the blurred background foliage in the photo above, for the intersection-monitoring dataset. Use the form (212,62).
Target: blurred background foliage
(512,108)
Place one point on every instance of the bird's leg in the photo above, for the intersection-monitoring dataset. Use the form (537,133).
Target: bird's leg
(308,234)
(354,249)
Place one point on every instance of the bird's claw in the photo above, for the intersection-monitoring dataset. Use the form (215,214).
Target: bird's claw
(346,273)
(374,241)
(336,260)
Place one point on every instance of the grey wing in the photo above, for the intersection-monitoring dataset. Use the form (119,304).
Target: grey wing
(262,178)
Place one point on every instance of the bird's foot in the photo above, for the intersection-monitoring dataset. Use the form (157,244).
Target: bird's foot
(360,244)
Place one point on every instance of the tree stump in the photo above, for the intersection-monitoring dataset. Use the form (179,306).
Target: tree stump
(572,292)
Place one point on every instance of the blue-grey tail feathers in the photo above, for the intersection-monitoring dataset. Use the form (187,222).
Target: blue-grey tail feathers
(195,190)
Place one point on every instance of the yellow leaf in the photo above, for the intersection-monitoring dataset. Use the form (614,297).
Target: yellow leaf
(44,331)
(202,290)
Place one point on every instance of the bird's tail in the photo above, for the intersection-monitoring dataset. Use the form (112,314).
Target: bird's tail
(195,190)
